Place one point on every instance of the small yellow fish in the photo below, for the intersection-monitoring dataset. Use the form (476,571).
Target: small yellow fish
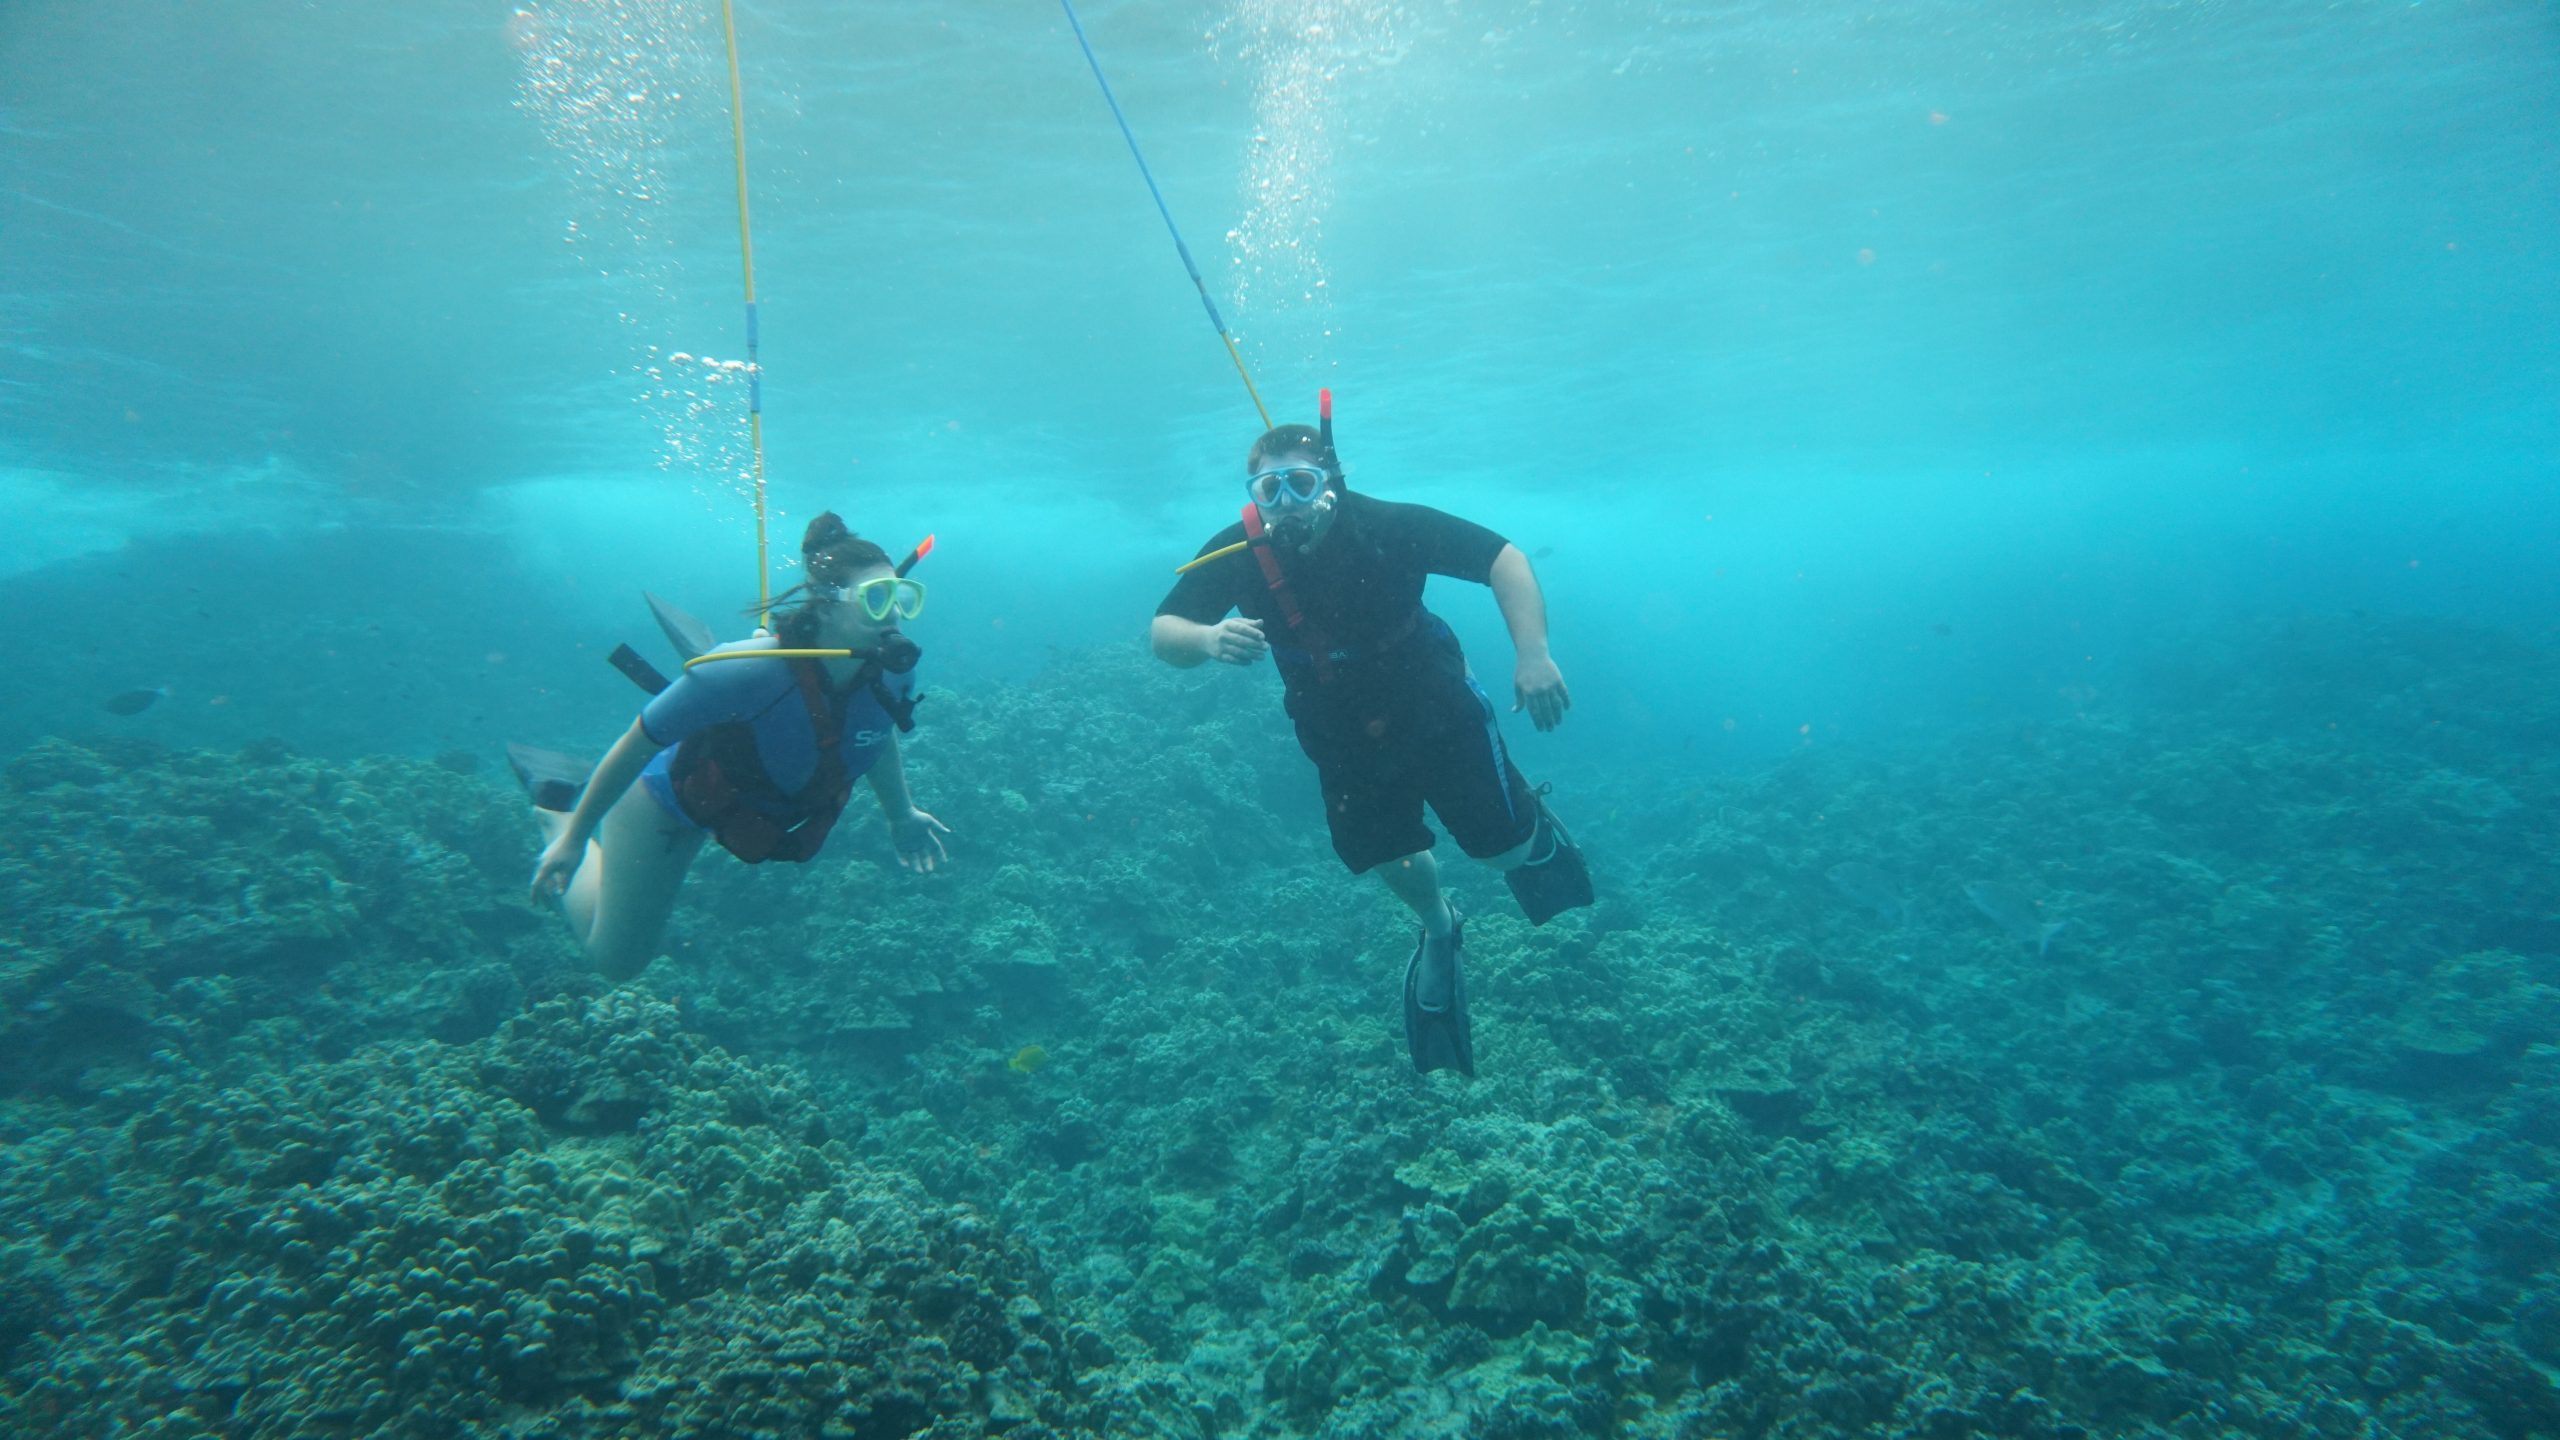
(1027,1059)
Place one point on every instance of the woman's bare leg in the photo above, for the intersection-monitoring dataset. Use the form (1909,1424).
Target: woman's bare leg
(623,892)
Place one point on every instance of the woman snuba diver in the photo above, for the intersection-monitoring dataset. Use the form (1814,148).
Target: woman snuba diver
(760,755)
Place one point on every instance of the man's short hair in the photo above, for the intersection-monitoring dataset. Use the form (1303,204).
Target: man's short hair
(1284,438)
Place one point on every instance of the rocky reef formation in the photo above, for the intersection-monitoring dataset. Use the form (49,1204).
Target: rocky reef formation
(588,1223)
(1814,1126)
(211,905)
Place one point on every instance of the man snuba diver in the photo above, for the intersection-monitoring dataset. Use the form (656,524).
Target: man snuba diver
(1330,583)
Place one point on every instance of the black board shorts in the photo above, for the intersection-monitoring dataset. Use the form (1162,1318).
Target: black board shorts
(1375,788)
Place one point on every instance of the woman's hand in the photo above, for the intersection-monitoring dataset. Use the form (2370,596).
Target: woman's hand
(559,863)
(918,837)
(1237,642)
(1538,687)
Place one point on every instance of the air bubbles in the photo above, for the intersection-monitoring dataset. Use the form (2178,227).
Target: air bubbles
(1302,51)
(607,81)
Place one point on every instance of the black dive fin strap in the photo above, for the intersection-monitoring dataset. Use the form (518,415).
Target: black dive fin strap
(1276,580)
(1554,878)
(636,670)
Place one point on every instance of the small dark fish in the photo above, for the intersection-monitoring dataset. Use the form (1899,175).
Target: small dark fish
(460,762)
(1943,628)
(133,702)
(1543,552)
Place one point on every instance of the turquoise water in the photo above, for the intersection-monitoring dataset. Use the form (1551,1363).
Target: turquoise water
(2019,317)
(2105,450)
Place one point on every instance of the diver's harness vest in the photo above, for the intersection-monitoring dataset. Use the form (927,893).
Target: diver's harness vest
(1313,645)
(718,777)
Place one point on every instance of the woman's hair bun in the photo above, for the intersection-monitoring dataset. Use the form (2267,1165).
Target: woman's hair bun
(823,533)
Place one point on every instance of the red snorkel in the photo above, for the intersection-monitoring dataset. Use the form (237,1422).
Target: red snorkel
(1324,431)
(923,548)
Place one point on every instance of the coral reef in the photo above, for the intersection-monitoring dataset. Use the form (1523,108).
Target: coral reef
(153,900)
(1791,1135)
(589,1223)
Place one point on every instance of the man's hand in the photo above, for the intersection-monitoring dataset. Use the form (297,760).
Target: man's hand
(918,837)
(1237,642)
(1537,686)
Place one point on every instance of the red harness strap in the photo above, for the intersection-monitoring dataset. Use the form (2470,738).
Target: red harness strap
(822,718)
(822,799)
(1309,638)
(718,769)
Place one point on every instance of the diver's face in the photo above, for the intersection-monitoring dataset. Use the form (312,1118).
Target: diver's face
(1291,519)
(848,622)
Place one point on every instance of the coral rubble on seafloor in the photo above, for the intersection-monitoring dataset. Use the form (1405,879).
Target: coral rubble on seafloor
(315,1129)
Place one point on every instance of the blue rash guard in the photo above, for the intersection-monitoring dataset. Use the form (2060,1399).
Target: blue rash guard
(765,695)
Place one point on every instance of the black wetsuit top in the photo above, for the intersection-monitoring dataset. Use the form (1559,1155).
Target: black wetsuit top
(1397,669)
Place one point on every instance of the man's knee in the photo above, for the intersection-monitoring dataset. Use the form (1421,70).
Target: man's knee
(1531,846)
(1404,864)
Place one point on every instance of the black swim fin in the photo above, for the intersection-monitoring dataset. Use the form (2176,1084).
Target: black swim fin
(553,780)
(1439,1035)
(1554,878)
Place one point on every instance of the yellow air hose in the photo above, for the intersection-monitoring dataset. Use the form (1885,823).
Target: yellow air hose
(747,259)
